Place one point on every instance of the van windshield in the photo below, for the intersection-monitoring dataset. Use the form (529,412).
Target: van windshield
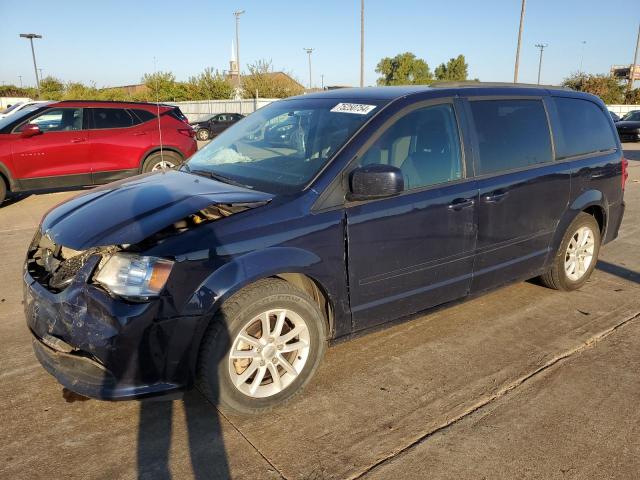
(280,148)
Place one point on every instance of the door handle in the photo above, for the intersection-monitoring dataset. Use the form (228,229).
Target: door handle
(78,140)
(460,203)
(139,134)
(495,197)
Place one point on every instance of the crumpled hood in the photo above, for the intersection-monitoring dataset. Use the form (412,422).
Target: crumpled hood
(128,211)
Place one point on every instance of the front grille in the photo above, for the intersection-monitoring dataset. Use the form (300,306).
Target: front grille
(54,266)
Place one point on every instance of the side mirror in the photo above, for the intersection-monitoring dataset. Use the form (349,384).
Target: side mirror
(375,181)
(30,130)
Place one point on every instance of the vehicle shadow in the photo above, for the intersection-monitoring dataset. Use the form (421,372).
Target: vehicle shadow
(618,271)
(632,154)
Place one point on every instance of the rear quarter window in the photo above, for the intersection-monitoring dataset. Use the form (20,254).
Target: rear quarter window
(143,115)
(584,128)
(112,118)
(511,134)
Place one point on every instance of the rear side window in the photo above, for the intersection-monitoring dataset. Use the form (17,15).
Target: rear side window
(177,114)
(112,118)
(584,128)
(511,134)
(143,115)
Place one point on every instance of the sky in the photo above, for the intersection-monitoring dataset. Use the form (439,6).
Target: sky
(114,42)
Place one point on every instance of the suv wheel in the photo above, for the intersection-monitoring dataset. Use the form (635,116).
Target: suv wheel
(202,134)
(3,190)
(262,347)
(577,256)
(161,161)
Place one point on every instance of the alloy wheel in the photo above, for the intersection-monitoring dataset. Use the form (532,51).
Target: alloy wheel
(579,254)
(269,353)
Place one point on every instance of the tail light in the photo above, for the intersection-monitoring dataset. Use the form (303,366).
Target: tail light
(625,171)
(188,132)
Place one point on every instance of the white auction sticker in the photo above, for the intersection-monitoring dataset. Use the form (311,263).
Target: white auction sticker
(358,108)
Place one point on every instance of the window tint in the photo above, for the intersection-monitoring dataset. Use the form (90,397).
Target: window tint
(424,145)
(633,116)
(112,118)
(143,115)
(584,128)
(511,134)
(58,120)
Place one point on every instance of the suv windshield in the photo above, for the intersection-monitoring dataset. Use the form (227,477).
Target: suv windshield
(21,114)
(633,116)
(280,148)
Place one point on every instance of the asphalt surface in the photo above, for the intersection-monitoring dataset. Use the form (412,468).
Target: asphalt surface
(524,382)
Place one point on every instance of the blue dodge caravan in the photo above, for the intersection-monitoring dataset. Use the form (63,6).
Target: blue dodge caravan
(235,271)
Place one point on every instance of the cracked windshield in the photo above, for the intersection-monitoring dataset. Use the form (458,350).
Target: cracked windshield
(280,147)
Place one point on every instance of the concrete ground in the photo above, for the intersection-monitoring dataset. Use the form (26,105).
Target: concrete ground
(524,382)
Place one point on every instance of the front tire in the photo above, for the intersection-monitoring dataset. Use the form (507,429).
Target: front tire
(577,256)
(3,190)
(262,348)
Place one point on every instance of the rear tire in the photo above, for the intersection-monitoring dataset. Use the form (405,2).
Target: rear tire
(3,190)
(161,161)
(271,365)
(203,134)
(577,255)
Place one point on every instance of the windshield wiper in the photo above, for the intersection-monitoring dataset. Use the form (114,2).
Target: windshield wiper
(218,177)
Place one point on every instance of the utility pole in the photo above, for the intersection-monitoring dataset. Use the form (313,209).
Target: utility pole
(322,80)
(309,51)
(40,70)
(237,13)
(584,42)
(361,43)
(515,71)
(31,36)
(541,46)
(632,69)
(20,77)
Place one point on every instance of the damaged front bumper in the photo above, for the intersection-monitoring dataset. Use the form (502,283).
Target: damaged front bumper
(104,347)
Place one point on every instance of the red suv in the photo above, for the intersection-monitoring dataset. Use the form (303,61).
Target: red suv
(73,143)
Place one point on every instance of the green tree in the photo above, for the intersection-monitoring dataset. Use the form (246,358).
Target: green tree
(607,87)
(455,70)
(267,83)
(633,97)
(403,69)
(79,91)
(209,85)
(51,89)
(162,86)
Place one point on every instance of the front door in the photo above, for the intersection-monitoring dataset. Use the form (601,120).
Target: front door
(415,250)
(60,151)
(523,192)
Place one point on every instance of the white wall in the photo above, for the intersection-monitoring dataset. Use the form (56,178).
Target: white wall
(203,109)
(620,110)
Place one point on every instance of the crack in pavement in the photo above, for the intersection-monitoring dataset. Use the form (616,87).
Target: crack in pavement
(589,343)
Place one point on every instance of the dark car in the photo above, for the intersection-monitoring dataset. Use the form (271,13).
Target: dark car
(214,126)
(75,143)
(629,127)
(234,272)
(614,116)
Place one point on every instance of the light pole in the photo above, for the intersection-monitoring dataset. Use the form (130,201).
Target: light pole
(541,46)
(31,36)
(584,42)
(361,43)
(309,51)
(237,13)
(632,69)
(515,70)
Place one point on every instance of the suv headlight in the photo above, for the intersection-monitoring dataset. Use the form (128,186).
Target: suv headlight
(131,275)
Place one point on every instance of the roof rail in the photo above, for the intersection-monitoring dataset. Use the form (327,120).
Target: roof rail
(117,101)
(474,84)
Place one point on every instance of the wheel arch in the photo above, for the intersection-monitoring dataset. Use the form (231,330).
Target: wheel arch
(7,178)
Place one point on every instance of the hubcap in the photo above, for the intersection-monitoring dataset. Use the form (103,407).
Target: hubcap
(269,353)
(163,165)
(579,254)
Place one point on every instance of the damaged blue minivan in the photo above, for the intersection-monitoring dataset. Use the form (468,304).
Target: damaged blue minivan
(233,272)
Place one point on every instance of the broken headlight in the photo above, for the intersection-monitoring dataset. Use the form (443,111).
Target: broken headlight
(135,276)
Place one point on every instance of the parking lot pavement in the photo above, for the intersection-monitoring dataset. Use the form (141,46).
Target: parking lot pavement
(524,382)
